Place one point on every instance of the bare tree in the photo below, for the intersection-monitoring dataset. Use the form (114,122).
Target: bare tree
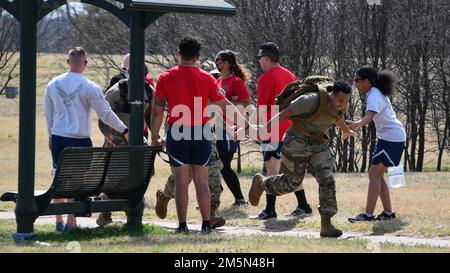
(9,47)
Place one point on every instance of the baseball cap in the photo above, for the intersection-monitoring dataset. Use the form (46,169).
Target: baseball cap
(210,67)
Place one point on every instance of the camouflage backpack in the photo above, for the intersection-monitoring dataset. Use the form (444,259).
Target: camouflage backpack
(298,88)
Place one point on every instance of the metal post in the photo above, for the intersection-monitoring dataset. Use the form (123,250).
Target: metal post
(136,96)
(26,211)
(136,80)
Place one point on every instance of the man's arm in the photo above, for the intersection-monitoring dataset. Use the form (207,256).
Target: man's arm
(48,109)
(283,115)
(156,119)
(105,113)
(303,105)
(148,115)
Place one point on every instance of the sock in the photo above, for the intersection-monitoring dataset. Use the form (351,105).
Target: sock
(206,224)
(270,206)
(368,214)
(301,199)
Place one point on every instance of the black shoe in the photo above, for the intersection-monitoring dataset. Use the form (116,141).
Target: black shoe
(384,216)
(206,230)
(301,212)
(362,217)
(184,229)
(264,215)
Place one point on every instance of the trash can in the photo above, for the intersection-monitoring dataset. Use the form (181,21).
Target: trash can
(11,92)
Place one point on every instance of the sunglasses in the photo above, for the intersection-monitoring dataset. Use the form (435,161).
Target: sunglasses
(260,56)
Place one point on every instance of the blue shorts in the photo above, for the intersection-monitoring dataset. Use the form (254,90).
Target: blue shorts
(185,147)
(59,143)
(271,149)
(388,153)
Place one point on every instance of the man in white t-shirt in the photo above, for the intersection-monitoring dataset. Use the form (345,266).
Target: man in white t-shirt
(68,104)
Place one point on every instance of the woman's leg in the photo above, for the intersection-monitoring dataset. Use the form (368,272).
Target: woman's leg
(229,176)
(385,195)
(375,179)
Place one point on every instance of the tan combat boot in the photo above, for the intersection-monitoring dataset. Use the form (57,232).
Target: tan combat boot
(256,189)
(161,204)
(327,229)
(216,222)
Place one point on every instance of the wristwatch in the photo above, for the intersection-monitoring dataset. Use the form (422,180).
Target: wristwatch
(125,132)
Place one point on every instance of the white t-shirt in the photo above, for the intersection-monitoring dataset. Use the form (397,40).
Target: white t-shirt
(388,127)
(68,103)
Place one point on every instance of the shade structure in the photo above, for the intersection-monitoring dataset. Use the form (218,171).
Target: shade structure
(137,15)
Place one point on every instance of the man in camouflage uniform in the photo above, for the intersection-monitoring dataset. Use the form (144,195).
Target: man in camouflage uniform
(306,147)
(117,97)
(215,187)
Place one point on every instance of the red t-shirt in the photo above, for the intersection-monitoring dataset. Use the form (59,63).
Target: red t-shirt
(183,86)
(234,89)
(270,86)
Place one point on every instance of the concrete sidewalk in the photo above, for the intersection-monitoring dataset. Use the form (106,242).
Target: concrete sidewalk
(240,231)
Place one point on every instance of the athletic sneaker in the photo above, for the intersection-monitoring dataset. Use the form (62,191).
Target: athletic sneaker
(362,217)
(385,216)
(264,215)
(240,203)
(59,227)
(300,212)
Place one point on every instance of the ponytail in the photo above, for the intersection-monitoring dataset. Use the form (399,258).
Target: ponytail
(241,72)
(386,82)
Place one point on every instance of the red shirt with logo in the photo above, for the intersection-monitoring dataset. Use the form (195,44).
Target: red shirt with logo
(270,86)
(187,88)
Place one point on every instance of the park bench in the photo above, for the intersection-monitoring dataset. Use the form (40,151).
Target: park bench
(83,174)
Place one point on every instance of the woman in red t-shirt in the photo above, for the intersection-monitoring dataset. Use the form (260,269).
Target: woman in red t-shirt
(233,83)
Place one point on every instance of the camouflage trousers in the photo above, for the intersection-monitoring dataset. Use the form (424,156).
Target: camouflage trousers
(215,185)
(299,154)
